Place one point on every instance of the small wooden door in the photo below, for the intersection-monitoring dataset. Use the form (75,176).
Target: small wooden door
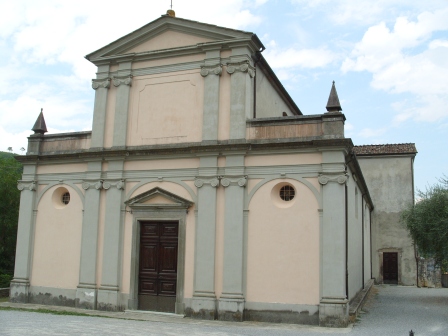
(390,267)
(158,266)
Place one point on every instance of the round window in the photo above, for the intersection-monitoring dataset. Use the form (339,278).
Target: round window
(287,193)
(66,198)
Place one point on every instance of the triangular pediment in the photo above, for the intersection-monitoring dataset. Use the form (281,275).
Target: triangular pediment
(158,198)
(167,33)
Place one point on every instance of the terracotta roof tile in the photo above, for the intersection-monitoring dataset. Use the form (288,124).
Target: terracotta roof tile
(406,148)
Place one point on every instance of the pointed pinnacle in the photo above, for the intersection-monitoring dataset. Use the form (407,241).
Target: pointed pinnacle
(333,104)
(39,126)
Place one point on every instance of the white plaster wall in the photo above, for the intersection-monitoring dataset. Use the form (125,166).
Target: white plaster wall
(283,246)
(269,102)
(57,240)
(166,108)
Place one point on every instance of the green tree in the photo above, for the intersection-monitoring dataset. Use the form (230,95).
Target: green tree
(427,222)
(10,172)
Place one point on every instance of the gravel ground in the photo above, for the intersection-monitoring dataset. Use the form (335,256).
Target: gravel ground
(390,310)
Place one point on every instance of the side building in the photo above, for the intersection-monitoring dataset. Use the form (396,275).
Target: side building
(389,173)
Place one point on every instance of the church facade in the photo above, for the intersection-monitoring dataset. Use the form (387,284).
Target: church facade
(201,190)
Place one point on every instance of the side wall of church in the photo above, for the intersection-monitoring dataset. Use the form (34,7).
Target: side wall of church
(390,182)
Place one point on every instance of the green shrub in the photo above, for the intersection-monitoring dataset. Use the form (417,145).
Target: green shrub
(5,279)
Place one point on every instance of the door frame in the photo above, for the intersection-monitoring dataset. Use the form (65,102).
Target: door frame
(158,213)
(381,259)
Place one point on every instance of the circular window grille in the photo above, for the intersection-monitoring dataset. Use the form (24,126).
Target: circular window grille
(287,193)
(66,198)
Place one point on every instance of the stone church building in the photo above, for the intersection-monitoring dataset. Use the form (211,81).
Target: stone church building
(203,190)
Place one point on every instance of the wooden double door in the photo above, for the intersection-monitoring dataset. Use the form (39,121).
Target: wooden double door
(158,266)
(390,268)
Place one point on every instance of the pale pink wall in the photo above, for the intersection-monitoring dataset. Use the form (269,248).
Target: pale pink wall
(166,108)
(167,61)
(283,159)
(57,240)
(168,39)
(162,164)
(283,246)
(62,168)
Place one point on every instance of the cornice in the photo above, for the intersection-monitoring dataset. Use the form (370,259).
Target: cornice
(193,149)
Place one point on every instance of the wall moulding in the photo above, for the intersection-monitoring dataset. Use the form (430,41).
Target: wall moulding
(92,185)
(241,67)
(233,180)
(126,80)
(200,181)
(97,83)
(108,184)
(215,69)
(29,185)
(341,179)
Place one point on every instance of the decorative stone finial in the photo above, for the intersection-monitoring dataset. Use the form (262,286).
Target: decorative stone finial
(171,13)
(333,105)
(39,126)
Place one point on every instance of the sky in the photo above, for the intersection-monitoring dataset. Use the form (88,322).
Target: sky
(389,59)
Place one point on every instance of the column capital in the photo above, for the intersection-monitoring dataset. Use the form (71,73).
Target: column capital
(126,80)
(104,83)
(324,179)
(119,184)
(212,180)
(26,185)
(215,69)
(93,185)
(233,180)
(241,67)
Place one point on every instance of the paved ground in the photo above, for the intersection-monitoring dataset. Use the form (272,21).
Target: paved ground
(390,310)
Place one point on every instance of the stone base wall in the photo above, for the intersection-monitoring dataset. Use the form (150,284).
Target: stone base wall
(428,274)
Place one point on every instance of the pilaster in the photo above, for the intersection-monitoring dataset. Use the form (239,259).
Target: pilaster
(20,284)
(203,304)
(86,292)
(101,86)
(211,71)
(241,96)
(231,302)
(108,293)
(123,82)
(333,308)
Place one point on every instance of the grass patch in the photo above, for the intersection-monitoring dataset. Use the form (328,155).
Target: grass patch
(52,312)
(4,299)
